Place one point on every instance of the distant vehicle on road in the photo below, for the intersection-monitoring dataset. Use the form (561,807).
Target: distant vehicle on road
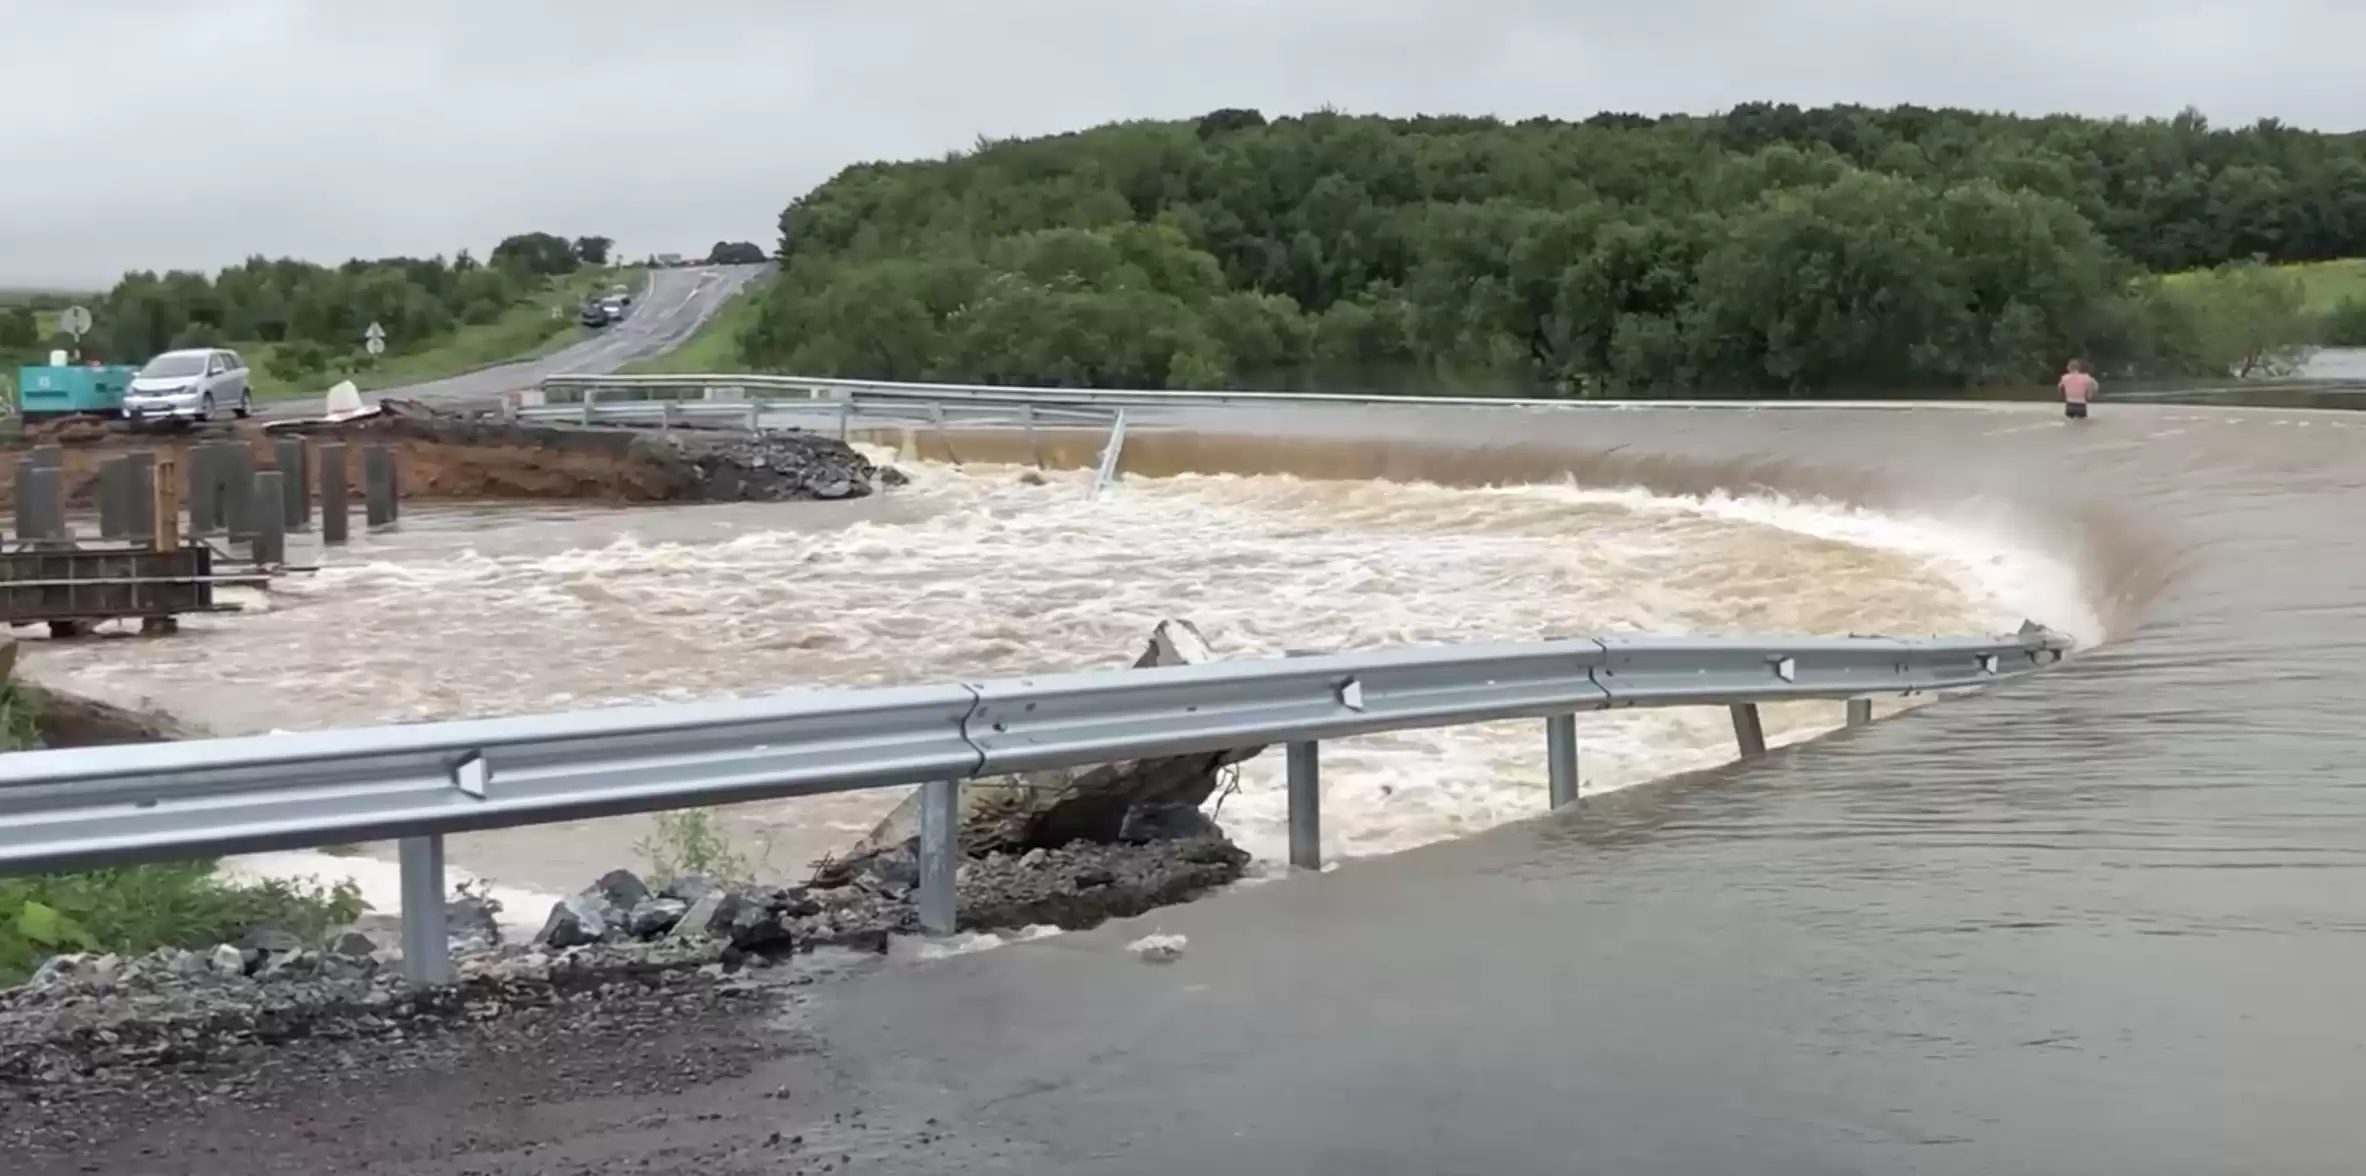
(188,385)
(595,313)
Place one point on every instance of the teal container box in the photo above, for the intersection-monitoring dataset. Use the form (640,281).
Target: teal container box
(47,390)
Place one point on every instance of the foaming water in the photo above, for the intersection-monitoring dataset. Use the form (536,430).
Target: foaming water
(993,570)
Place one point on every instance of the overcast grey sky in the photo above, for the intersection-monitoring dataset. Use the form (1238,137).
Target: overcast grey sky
(196,132)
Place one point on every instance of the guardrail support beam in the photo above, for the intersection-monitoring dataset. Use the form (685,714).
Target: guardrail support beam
(1748,730)
(1304,762)
(940,855)
(427,943)
(1560,758)
(1860,711)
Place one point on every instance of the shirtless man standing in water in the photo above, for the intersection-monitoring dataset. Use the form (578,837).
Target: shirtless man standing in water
(2077,389)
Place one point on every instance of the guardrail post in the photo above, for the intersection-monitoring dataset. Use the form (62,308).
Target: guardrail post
(295,490)
(271,524)
(1027,422)
(427,944)
(335,516)
(1748,730)
(1109,455)
(940,855)
(1860,711)
(1304,763)
(1560,758)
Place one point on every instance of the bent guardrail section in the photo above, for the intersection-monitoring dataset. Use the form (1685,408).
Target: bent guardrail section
(419,782)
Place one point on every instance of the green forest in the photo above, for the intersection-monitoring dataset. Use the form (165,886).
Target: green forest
(301,323)
(1768,249)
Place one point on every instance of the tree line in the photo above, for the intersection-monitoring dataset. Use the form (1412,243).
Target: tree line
(312,315)
(1768,249)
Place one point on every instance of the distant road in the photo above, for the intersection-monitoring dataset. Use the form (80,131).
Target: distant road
(672,304)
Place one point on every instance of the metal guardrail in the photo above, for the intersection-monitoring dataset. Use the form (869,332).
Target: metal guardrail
(106,806)
(575,389)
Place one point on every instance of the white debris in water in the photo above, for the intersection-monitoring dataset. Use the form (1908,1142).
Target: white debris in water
(1158,948)
(922,948)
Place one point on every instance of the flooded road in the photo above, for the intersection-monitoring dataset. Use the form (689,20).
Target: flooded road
(2105,920)
(992,569)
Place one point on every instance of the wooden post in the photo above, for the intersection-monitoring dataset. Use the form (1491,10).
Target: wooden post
(166,518)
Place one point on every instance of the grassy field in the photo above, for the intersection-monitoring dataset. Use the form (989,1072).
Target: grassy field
(534,327)
(2327,282)
(715,346)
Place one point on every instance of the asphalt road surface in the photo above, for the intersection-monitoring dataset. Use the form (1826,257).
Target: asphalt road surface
(673,304)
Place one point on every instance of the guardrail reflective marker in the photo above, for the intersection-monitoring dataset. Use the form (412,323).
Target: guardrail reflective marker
(1860,711)
(1748,730)
(427,941)
(1560,755)
(940,854)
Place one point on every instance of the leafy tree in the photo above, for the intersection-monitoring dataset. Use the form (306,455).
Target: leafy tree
(1767,249)
(735,253)
(593,250)
(312,317)
(544,254)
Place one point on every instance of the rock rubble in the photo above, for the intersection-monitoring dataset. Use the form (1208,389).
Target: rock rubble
(104,1018)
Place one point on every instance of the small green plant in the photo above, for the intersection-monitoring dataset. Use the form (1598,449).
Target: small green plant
(692,841)
(133,909)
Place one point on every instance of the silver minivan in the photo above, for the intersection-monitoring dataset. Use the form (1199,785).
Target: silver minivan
(190,385)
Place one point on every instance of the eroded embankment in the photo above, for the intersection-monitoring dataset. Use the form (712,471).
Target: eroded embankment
(460,458)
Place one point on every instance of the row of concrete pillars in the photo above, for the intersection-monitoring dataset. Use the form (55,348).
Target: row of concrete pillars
(225,494)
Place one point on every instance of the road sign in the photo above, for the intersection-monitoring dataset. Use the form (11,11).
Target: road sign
(75,321)
(374,345)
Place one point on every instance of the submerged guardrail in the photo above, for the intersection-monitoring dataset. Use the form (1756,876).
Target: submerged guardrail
(418,783)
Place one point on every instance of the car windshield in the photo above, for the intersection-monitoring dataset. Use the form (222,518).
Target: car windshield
(165,367)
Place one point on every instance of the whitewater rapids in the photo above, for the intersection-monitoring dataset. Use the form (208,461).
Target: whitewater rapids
(996,570)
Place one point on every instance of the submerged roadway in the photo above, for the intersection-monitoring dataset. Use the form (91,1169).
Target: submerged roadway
(2110,919)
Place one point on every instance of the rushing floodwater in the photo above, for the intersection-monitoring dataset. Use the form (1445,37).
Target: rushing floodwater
(990,570)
